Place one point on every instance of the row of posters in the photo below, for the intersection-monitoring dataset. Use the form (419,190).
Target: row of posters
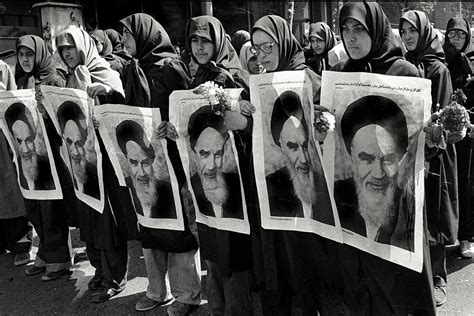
(365,191)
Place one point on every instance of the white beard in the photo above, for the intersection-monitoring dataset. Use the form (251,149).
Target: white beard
(147,195)
(79,171)
(378,208)
(304,187)
(30,168)
(215,189)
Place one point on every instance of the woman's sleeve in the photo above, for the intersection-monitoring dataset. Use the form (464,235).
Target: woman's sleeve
(176,76)
(441,88)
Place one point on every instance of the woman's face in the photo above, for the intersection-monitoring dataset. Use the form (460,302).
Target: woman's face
(266,50)
(99,46)
(129,43)
(356,39)
(409,36)
(26,58)
(254,66)
(202,49)
(457,38)
(71,56)
(317,44)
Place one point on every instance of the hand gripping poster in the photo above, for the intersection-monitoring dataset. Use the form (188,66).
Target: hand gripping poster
(377,149)
(26,134)
(70,111)
(209,156)
(292,187)
(141,163)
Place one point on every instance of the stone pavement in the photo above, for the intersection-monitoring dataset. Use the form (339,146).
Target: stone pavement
(23,295)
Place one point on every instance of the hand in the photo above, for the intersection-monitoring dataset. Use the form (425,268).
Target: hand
(165,130)
(95,122)
(95,89)
(246,108)
(39,103)
(434,134)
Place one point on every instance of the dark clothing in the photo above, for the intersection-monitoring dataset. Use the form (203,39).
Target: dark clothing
(11,231)
(116,62)
(232,208)
(164,206)
(379,287)
(284,201)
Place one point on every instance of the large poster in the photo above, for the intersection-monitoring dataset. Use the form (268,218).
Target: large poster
(377,150)
(25,131)
(70,111)
(210,160)
(293,191)
(141,163)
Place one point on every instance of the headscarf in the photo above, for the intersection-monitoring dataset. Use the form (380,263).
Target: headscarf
(324,32)
(239,39)
(153,49)
(116,40)
(43,66)
(451,52)
(385,50)
(290,51)
(245,56)
(98,68)
(225,56)
(428,49)
(103,39)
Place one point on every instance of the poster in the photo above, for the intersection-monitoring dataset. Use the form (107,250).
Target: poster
(25,131)
(293,190)
(141,163)
(377,149)
(70,111)
(210,160)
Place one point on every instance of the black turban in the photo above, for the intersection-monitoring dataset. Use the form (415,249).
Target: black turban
(71,111)
(377,110)
(19,112)
(288,104)
(203,118)
(131,130)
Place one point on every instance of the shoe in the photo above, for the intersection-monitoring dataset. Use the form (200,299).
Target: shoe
(146,303)
(95,283)
(103,296)
(34,270)
(21,259)
(440,294)
(50,276)
(465,249)
(180,309)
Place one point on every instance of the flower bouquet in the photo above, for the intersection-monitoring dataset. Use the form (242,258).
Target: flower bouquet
(218,98)
(455,120)
(323,123)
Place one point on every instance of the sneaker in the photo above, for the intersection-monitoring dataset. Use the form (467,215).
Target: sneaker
(440,294)
(95,283)
(103,296)
(146,303)
(53,275)
(34,270)
(180,309)
(465,249)
(21,259)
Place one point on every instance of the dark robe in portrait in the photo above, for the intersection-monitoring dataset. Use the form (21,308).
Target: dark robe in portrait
(232,208)
(44,181)
(91,186)
(284,201)
(164,206)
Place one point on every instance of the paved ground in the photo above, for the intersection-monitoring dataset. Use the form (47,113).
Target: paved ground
(22,295)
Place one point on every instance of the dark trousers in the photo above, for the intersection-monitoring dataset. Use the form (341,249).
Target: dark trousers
(438,262)
(49,220)
(228,295)
(11,231)
(466,207)
(110,264)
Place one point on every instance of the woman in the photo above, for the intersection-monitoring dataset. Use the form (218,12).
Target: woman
(377,286)
(105,49)
(154,72)
(105,234)
(227,254)
(426,53)
(249,61)
(322,40)
(50,217)
(283,258)
(460,60)
(239,38)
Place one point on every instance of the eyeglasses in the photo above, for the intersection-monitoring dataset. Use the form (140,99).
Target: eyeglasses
(460,34)
(266,48)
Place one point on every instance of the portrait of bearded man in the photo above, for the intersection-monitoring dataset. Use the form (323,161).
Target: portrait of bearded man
(375,135)
(218,192)
(34,168)
(153,197)
(296,190)
(73,126)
